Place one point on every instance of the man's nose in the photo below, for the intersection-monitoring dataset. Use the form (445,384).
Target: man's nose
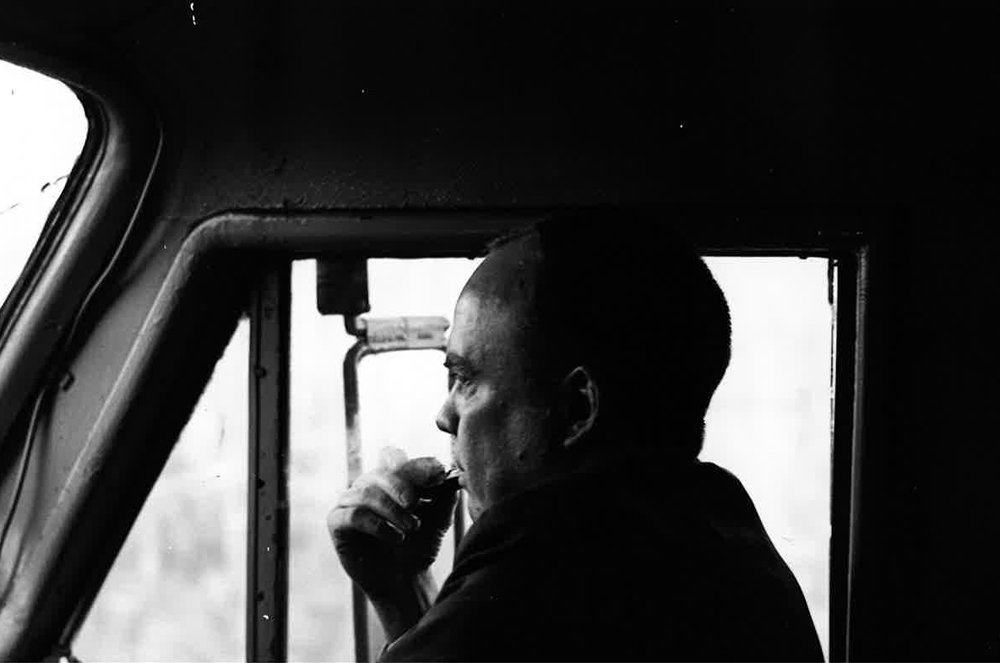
(446,418)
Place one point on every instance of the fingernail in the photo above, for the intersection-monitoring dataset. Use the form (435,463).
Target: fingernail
(396,532)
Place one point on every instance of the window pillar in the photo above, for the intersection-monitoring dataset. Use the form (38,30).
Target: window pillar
(267,549)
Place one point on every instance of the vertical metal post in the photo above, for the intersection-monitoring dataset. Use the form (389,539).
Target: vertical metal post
(375,336)
(267,562)
(849,282)
(359,603)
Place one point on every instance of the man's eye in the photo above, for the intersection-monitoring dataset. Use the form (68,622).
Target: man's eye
(457,377)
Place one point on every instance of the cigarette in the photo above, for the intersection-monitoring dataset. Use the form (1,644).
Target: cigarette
(451,478)
(448,484)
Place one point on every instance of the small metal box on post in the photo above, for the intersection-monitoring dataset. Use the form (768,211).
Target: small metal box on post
(342,287)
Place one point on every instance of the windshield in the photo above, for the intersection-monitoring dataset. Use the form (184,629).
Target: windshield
(42,131)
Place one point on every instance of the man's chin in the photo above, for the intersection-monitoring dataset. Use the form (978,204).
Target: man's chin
(473,506)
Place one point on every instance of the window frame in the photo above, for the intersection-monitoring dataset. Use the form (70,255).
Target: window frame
(267,480)
(802,232)
(85,231)
(280,238)
(43,318)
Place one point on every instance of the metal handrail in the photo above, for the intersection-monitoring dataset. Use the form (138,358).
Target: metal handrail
(376,336)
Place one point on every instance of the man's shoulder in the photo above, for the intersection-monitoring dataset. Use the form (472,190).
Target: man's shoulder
(596,541)
(580,569)
(620,517)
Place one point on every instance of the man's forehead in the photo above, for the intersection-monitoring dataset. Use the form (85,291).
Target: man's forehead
(491,309)
(475,314)
(509,272)
(483,327)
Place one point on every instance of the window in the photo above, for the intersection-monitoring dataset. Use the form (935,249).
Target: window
(42,130)
(399,394)
(177,589)
(769,422)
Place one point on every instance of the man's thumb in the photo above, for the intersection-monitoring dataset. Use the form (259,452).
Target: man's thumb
(389,458)
(425,471)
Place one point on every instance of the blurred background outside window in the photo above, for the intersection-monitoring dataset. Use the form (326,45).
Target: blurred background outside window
(177,590)
(42,130)
(769,422)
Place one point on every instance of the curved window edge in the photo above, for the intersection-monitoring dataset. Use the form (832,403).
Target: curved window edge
(84,233)
(55,223)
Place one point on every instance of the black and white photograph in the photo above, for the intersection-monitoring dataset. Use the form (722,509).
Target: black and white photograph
(498,331)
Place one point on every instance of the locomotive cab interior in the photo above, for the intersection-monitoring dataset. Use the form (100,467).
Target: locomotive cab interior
(230,143)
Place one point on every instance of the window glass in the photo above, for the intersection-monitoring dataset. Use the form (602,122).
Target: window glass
(42,130)
(177,590)
(400,393)
(769,422)
(319,592)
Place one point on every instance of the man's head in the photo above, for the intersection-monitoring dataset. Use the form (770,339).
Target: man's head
(577,339)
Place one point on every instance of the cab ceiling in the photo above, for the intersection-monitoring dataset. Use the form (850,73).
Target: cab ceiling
(317,105)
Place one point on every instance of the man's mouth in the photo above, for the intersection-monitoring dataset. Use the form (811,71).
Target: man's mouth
(456,473)
(450,482)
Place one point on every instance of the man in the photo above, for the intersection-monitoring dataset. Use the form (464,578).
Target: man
(581,362)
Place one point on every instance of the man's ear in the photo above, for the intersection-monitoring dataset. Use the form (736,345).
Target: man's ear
(580,404)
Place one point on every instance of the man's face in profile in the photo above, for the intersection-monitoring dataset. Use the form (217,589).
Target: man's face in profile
(496,422)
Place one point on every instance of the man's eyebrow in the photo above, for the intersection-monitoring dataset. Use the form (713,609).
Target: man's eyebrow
(452,360)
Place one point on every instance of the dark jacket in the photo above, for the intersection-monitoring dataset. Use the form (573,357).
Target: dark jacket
(644,566)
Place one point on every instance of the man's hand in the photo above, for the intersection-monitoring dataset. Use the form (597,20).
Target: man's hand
(387,527)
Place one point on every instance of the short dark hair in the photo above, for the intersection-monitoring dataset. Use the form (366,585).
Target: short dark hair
(620,293)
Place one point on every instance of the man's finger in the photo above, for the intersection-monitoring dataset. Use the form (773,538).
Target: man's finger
(423,472)
(374,497)
(398,486)
(343,520)
(391,458)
